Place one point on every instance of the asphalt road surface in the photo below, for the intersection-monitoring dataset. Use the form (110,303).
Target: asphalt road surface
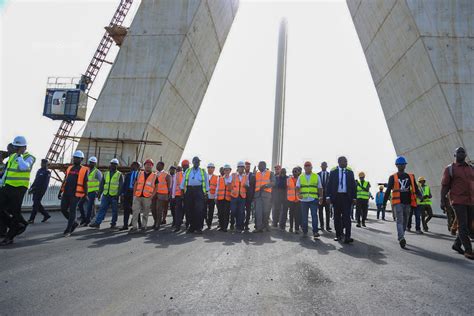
(105,272)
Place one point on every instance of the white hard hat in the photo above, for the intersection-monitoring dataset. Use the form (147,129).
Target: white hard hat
(78,154)
(19,141)
(240,164)
(93,159)
(227,166)
(115,161)
(210,165)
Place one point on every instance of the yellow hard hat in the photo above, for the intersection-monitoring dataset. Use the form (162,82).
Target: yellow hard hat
(361,174)
(421,179)
(381,187)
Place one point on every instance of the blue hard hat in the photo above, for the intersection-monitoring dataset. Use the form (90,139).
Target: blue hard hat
(401,161)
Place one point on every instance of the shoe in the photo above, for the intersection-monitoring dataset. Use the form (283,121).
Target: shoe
(189,231)
(65,231)
(328,229)
(133,230)
(208,228)
(156,227)
(199,232)
(74,226)
(297,231)
(419,232)
(290,230)
(123,228)
(316,235)
(305,234)
(46,218)
(403,243)
(22,229)
(94,225)
(31,221)
(232,227)
(408,229)
(458,249)
(358,225)
(6,242)
(257,231)
(321,229)
(113,226)
(338,238)
(468,255)
(246,228)
(224,230)
(163,222)
(348,240)
(177,229)
(425,229)
(363,224)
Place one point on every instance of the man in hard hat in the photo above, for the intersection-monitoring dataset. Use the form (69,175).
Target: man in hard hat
(223,198)
(211,199)
(73,189)
(195,186)
(363,196)
(93,183)
(239,187)
(379,202)
(264,183)
(38,189)
(426,211)
(127,194)
(109,192)
(404,191)
(3,156)
(144,191)
(179,197)
(250,194)
(14,184)
(160,201)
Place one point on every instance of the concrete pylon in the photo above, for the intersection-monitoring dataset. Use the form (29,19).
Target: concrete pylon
(421,57)
(279,119)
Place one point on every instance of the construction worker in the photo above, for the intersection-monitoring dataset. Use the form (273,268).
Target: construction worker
(4,154)
(195,187)
(363,196)
(211,199)
(172,200)
(109,193)
(38,189)
(144,191)
(309,188)
(73,189)
(379,203)
(160,201)
(127,194)
(293,203)
(223,199)
(93,183)
(425,205)
(179,197)
(14,184)
(250,194)
(264,182)
(323,206)
(240,185)
(278,195)
(457,185)
(404,195)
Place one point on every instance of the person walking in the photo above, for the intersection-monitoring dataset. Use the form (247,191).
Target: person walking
(14,184)
(160,202)
(38,189)
(425,206)
(179,197)
(342,195)
(93,184)
(293,204)
(309,189)
(240,185)
(404,195)
(250,195)
(127,194)
(223,199)
(379,202)
(195,187)
(264,182)
(3,156)
(211,199)
(458,184)
(109,192)
(144,191)
(323,205)
(363,196)
(73,189)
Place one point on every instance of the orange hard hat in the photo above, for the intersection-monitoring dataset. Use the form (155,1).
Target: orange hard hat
(185,162)
(149,161)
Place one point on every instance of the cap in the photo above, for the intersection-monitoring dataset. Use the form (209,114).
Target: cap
(114,161)
(93,159)
(381,187)
(196,158)
(361,174)
(421,179)
(308,164)
(210,165)
(227,166)
(149,160)
(78,154)
(44,160)
(19,141)
(240,164)
(185,162)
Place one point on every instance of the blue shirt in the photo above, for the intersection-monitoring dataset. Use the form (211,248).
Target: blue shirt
(195,178)
(379,198)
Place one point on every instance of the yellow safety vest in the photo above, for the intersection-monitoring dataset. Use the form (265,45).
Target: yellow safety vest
(361,193)
(111,186)
(16,177)
(309,189)
(92,183)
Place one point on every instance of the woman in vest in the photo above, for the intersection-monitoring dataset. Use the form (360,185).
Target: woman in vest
(239,187)
(144,191)
(223,198)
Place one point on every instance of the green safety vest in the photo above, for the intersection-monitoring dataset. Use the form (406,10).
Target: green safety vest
(309,190)
(186,179)
(14,176)
(111,186)
(92,183)
(361,193)
(426,191)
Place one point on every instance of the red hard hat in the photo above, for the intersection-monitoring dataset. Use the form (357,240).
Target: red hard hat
(149,161)
(185,162)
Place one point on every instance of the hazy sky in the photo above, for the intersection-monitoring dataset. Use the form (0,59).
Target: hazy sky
(332,107)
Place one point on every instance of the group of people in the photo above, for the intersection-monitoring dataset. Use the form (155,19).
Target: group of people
(192,194)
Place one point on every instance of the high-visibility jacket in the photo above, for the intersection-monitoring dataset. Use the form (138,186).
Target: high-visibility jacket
(396,199)
(309,189)
(291,189)
(92,183)
(203,182)
(238,186)
(162,184)
(145,186)
(426,191)
(14,176)
(261,179)
(223,193)
(111,185)
(212,184)
(362,194)
(177,185)
(80,181)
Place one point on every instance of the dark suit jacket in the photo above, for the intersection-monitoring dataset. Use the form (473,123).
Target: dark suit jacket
(334,183)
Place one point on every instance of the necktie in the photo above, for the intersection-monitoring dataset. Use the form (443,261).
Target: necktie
(341,183)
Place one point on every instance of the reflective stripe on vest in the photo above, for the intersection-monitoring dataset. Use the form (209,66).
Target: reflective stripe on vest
(16,177)
(147,187)
(177,185)
(309,189)
(111,186)
(223,193)
(92,183)
(238,186)
(212,184)
(426,191)
(396,190)
(291,189)
(162,184)
(203,179)
(361,193)
(262,180)
(80,181)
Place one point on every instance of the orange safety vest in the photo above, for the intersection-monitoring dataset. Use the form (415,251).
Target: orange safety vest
(262,180)
(238,187)
(80,192)
(177,185)
(291,189)
(162,184)
(147,187)
(223,193)
(212,184)
(396,190)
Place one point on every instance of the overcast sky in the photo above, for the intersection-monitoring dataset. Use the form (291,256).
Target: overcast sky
(332,107)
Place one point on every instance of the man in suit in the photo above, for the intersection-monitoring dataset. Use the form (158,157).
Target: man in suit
(342,194)
(324,176)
